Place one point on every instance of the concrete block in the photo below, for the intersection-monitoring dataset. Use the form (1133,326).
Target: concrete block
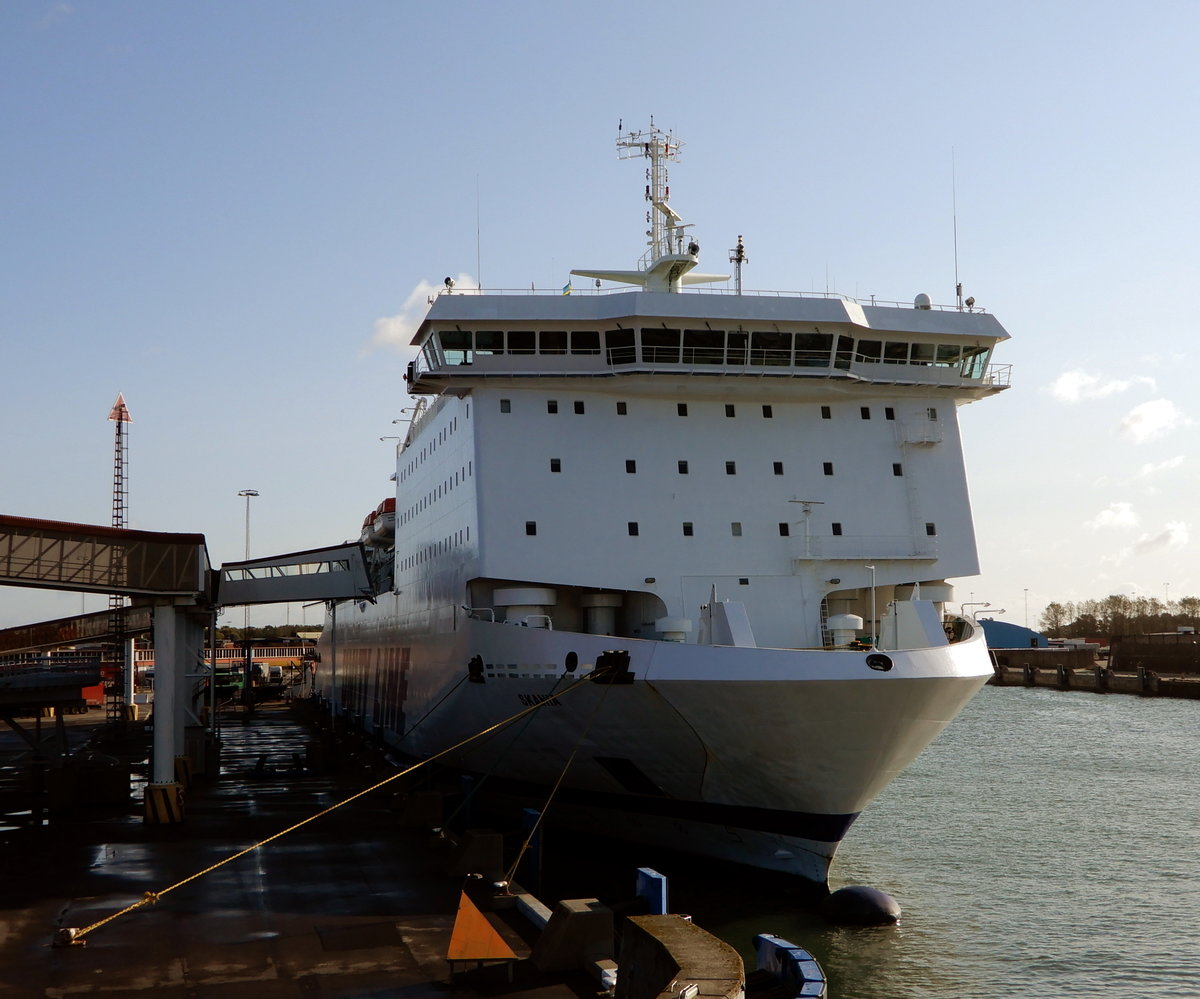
(667,953)
(580,931)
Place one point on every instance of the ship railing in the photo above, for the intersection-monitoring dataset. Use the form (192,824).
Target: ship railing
(760,364)
(481,613)
(830,547)
(713,290)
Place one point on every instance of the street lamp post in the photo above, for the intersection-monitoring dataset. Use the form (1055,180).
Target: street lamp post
(248,493)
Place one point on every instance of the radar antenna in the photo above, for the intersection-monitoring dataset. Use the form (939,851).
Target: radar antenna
(737,257)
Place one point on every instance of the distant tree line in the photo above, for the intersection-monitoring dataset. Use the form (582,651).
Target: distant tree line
(1118,615)
(267,633)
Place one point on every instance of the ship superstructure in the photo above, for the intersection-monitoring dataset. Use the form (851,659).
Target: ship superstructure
(749,504)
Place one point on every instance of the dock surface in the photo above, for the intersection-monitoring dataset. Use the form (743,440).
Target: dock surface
(351,904)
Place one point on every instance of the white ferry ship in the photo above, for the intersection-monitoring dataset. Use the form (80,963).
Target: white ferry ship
(742,508)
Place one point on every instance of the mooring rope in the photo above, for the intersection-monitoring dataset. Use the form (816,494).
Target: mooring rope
(70,935)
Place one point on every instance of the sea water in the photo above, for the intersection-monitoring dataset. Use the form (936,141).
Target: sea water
(1046,845)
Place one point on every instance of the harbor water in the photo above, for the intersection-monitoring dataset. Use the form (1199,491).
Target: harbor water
(1046,845)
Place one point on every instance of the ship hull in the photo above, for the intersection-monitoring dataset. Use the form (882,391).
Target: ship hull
(757,756)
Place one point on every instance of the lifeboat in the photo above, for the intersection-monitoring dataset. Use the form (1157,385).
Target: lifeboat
(383,523)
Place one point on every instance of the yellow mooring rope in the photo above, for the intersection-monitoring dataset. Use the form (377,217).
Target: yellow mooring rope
(69,935)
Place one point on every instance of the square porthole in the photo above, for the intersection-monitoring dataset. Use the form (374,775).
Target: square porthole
(778,467)
(531,527)
(826,413)
(633,528)
(827,467)
(785,529)
(688,530)
(865,412)
(897,468)
(837,530)
(744,581)
(556,464)
(579,406)
(889,413)
(630,466)
(735,529)
(931,530)
(729,410)
(731,468)
(683,468)
(767,413)
(506,405)
(622,409)
(551,405)
(681,408)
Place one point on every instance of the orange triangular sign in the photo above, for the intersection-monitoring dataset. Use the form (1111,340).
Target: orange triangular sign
(474,938)
(120,412)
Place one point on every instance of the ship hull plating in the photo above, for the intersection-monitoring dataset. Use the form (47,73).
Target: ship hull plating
(756,756)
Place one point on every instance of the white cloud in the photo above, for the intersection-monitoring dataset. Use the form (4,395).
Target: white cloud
(1114,515)
(1075,386)
(1151,420)
(1174,535)
(397,331)
(1153,468)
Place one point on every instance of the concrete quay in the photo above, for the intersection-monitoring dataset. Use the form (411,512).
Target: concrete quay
(1097,678)
(352,904)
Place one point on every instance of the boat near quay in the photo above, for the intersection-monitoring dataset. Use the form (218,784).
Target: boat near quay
(737,513)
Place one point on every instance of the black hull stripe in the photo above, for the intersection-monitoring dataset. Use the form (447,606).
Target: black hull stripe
(802,825)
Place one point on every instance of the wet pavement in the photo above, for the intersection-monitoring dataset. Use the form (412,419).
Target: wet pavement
(354,904)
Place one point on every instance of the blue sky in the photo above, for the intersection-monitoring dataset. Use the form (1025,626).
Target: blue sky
(228,212)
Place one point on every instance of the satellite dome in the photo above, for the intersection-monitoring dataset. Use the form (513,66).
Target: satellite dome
(922,301)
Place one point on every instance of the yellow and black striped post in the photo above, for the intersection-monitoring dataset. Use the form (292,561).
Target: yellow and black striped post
(164,804)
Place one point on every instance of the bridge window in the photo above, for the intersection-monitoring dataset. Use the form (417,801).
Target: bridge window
(869,351)
(522,342)
(620,346)
(456,346)
(660,346)
(489,342)
(813,349)
(895,352)
(552,341)
(771,349)
(947,354)
(585,341)
(703,346)
(922,353)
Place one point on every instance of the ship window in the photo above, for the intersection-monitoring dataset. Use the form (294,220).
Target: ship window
(784,529)
(736,347)
(522,342)
(531,527)
(622,409)
(922,353)
(767,413)
(489,342)
(895,352)
(812,349)
(897,468)
(556,464)
(681,408)
(826,413)
(731,468)
(931,413)
(703,346)
(837,529)
(630,466)
(974,362)
(633,528)
(947,354)
(620,346)
(687,529)
(579,406)
(771,349)
(931,530)
(730,410)
(845,352)
(683,468)
(889,413)
(552,341)
(778,467)
(828,467)
(869,350)
(506,405)
(735,529)
(744,581)
(585,341)
(865,412)
(660,346)
(551,405)
(456,346)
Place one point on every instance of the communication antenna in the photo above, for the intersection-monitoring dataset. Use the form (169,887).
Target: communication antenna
(114,680)
(954,220)
(737,257)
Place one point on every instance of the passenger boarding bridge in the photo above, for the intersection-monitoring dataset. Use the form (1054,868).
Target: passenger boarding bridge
(175,593)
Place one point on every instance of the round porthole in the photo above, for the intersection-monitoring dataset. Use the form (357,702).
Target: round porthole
(572,662)
(877,660)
